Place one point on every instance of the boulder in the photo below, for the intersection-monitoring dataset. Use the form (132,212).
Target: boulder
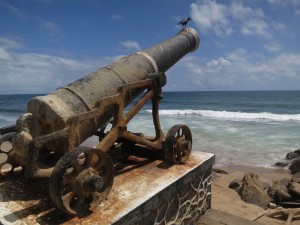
(265,185)
(285,182)
(295,166)
(252,191)
(297,151)
(294,189)
(296,177)
(281,164)
(278,191)
(236,184)
(291,155)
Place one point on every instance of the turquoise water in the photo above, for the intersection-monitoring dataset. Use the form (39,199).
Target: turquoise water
(256,128)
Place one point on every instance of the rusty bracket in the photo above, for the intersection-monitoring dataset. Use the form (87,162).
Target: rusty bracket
(160,78)
(119,128)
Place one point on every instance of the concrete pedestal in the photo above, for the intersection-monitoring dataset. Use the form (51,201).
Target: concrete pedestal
(145,191)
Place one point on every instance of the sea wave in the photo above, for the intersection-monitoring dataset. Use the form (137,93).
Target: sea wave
(233,115)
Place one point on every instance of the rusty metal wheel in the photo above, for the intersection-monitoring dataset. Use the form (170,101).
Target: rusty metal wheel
(81,180)
(7,161)
(178,144)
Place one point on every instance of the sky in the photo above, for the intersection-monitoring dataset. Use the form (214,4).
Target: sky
(245,45)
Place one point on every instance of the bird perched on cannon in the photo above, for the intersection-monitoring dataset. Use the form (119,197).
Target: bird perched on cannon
(184,21)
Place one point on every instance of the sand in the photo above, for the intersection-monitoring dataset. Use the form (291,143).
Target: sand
(228,200)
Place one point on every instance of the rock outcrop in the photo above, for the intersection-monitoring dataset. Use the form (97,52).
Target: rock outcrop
(295,166)
(252,191)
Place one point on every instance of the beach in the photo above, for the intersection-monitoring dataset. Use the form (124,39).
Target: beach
(229,201)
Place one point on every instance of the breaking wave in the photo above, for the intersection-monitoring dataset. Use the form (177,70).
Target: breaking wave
(233,115)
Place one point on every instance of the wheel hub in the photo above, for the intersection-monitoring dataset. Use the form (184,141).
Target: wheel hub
(87,181)
(81,180)
(178,144)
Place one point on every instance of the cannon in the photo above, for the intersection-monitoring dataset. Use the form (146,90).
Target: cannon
(56,125)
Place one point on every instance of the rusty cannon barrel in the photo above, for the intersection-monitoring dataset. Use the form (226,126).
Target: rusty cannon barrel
(51,112)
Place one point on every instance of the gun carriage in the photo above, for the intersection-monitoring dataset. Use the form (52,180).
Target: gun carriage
(80,177)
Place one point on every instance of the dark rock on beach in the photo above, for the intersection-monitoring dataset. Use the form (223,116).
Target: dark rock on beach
(297,151)
(296,177)
(291,155)
(281,164)
(236,185)
(294,189)
(295,166)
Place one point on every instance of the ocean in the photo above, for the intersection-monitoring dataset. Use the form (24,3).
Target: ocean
(239,127)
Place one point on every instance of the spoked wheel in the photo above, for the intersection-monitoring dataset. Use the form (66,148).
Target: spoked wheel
(7,161)
(178,144)
(81,180)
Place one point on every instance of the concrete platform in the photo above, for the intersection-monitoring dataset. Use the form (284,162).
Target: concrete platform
(216,217)
(145,191)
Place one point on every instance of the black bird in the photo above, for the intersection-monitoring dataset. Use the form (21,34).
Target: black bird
(184,21)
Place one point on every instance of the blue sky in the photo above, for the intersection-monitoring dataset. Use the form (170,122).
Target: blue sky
(245,45)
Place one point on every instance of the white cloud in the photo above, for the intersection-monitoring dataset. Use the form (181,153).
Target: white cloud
(279,26)
(274,1)
(83,23)
(117,16)
(272,47)
(241,67)
(130,45)
(285,65)
(239,11)
(250,63)
(252,21)
(284,2)
(256,27)
(114,58)
(225,19)
(4,55)
(36,73)
(52,28)
(39,73)
(9,43)
(5,45)
(14,10)
(219,63)
(294,4)
(211,15)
